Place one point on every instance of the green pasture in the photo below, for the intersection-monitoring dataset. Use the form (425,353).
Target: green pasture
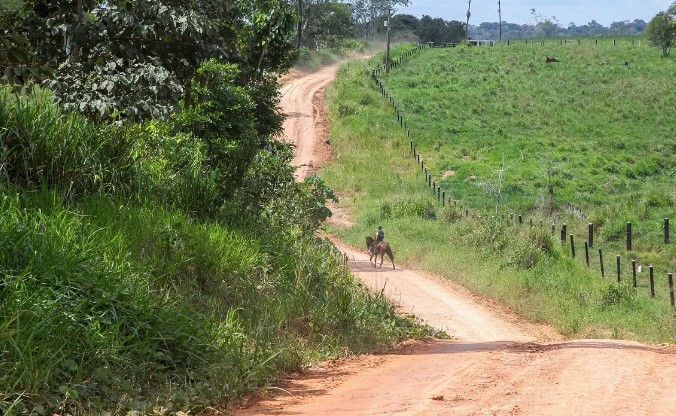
(587,139)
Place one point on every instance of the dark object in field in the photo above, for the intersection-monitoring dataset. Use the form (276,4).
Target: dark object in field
(551,59)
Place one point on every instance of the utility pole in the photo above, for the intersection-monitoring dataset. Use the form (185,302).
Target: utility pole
(387,57)
(500,19)
(469,13)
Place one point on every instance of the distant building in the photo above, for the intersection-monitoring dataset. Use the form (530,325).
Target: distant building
(481,42)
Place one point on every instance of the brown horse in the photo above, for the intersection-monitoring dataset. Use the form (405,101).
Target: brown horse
(381,248)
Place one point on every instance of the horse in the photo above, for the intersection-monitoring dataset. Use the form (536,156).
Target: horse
(381,248)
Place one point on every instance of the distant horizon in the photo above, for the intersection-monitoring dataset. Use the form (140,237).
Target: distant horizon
(579,12)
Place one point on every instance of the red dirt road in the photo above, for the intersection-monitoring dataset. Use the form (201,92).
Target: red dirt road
(497,363)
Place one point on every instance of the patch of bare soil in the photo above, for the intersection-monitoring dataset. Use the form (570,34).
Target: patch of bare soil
(340,216)
(497,364)
(448,174)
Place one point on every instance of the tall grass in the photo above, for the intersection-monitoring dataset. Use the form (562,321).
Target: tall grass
(528,268)
(41,145)
(124,288)
(120,304)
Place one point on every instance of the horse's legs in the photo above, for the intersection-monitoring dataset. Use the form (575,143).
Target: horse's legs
(391,256)
(382,255)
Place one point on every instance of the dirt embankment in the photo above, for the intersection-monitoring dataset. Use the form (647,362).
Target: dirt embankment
(496,363)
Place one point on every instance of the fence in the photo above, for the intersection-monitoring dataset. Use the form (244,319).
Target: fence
(440,194)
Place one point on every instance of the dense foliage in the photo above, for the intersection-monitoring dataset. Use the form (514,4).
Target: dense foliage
(132,60)
(428,29)
(156,253)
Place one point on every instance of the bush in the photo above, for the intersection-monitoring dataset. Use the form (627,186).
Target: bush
(42,145)
(413,208)
(451,214)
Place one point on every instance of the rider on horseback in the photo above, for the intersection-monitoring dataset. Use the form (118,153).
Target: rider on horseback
(380,236)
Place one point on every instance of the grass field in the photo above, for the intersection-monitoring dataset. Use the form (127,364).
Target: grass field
(587,139)
(599,132)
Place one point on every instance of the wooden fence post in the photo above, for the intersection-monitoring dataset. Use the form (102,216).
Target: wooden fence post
(619,278)
(590,232)
(666,231)
(628,236)
(633,271)
(652,281)
(564,227)
(586,253)
(601,261)
(443,199)
(520,219)
(572,245)
(671,289)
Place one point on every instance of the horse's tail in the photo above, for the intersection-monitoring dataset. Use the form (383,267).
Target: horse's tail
(389,253)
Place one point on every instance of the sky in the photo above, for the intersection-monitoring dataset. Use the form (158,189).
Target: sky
(579,12)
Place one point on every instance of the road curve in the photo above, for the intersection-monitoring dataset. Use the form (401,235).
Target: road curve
(496,363)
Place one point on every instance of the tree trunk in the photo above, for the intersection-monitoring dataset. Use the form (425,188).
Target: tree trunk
(300,24)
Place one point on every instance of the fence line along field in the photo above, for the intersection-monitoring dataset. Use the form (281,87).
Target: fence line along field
(583,142)
(588,137)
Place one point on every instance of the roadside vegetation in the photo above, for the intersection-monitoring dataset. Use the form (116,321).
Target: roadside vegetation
(125,285)
(587,139)
(156,253)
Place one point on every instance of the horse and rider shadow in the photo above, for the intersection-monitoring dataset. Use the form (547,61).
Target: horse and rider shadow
(379,248)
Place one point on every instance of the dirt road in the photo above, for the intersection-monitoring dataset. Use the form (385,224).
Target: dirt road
(306,123)
(497,363)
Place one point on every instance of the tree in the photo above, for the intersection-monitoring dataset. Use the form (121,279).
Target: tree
(544,26)
(405,23)
(17,59)
(136,59)
(369,14)
(438,30)
(326,24)
(661,30)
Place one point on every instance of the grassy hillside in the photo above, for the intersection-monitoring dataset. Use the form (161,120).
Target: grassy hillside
(567,125)
(592,135)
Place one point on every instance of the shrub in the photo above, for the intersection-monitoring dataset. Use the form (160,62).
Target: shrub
(42,145)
